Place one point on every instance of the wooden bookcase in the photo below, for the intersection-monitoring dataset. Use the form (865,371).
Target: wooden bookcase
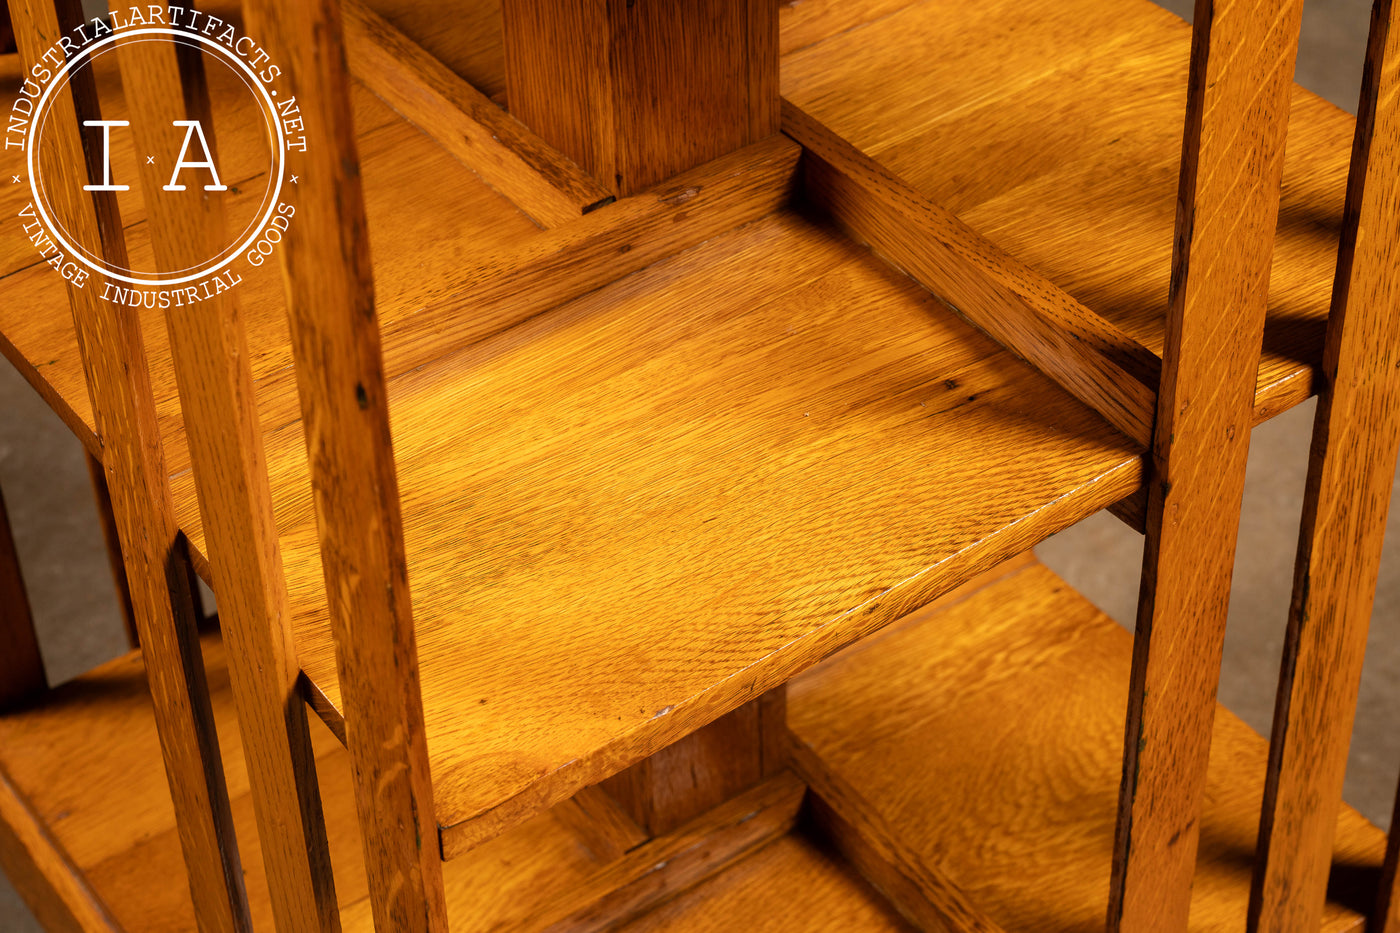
(619,493)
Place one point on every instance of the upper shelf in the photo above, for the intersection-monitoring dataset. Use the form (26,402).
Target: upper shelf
(630,508)
(1060,141)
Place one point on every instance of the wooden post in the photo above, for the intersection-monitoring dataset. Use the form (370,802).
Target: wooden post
(340,378)
(165,83)
(1227,207)
(636,91)
(110,341)
(693,775)
(1356,434)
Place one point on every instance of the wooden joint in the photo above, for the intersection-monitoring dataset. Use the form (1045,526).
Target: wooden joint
(922,894)
(670,864)
(537,178)
(601,247)
(1085,354)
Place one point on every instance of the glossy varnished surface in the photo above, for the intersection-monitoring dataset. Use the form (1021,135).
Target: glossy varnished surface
(654,503)
(791,885)
(86,800)
(988,734)
(632,513)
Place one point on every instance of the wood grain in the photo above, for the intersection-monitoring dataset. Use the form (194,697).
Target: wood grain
(773,731)
(501,289)
(156,560)
(986,733)
(1231,166)
(21,666)
(818,894)
(631,411)
(472,47)
(668,865)
(1059,141)
(42,873)
(694,774)
(339,364)
(637,92)
(210,354)
(538,179)
(126,856)
(922,894)
(674,349)
(1356,434)
(601,824)
(1086,355)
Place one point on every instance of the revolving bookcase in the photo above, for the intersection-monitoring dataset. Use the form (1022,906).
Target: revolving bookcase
(619,482)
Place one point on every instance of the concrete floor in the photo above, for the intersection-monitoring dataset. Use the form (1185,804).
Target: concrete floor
(45,481)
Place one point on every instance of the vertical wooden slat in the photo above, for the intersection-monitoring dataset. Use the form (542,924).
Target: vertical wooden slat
(103,498)
(340,378)
(1232,161)
(164,83)
(1356,434)
(636,91)
(110,342)
(21,666)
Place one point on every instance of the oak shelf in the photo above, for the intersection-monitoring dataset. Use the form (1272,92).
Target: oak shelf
(986,732)
(110,841)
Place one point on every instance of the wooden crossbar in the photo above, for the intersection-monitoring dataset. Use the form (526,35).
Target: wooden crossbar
(536,177)
(1017,307)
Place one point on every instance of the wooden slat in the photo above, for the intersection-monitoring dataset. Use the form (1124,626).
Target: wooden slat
(105,517)
(1089,357)
(538,179)
(666,866)
(922,894)
(21,666)
(211,356)
(694,774)
(156,559)
(1231,166)
(336,343)
(100,726)
(1356,435)
(472,48)
(638,92)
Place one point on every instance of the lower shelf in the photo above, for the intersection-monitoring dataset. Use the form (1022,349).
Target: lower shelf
(979,738)
(87,835)
(986,734)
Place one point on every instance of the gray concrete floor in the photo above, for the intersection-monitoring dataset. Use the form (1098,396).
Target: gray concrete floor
(45,481)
